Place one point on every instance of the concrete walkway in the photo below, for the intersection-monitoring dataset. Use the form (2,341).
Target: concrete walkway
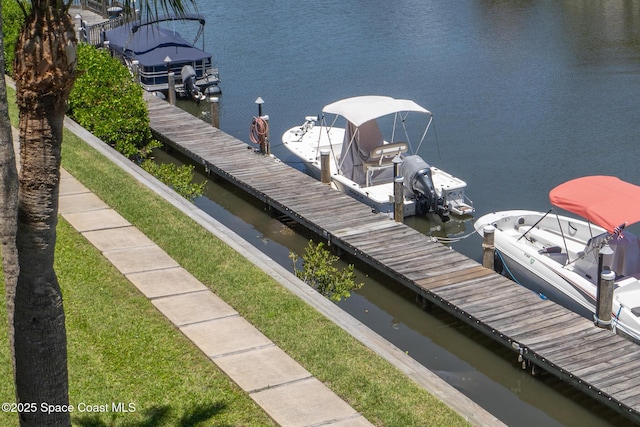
(268,380)
(467,408)
(283,388)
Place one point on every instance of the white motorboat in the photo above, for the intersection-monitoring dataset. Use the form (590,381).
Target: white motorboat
(362,159)
(562,257)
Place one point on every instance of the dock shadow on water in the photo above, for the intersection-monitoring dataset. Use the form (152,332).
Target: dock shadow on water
(479,367)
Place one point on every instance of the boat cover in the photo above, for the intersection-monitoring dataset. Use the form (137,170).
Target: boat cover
(356,147)
(151,44)
(606,201)
(361,109)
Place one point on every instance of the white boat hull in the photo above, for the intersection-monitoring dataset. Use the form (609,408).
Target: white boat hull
(566,270)
(308,141)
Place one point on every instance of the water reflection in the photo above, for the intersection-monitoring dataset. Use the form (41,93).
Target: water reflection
(600,32)
(477,366)
(525,95)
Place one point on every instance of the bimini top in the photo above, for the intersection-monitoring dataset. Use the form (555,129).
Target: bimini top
(151,44)
(361,109)
(135,26)
(606,201)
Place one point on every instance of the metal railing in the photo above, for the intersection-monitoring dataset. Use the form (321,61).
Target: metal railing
(93,33)
(110,10)
(158,76)
(97,6)
(101,7)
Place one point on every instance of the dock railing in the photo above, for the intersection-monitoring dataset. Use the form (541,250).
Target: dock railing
(97,6)
(93,33)
(109,13)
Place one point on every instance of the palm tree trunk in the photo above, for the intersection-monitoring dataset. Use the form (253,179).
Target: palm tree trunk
(40,341)
(44,71)
(8,199)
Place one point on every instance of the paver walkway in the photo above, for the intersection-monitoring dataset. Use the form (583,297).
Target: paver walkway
(283,388)
(470,410)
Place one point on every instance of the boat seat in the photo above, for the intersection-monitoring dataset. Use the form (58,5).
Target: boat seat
(547,240)
(381,157)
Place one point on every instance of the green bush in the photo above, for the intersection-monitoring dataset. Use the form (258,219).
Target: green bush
(107,102)
(178,178)
(12,22)
(319,272)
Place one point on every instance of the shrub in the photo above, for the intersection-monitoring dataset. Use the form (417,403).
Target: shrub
(178,178)
(12,22)
(109,104)
(319,272)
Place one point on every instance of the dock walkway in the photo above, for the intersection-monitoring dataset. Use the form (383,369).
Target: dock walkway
(543,333)
(169,288)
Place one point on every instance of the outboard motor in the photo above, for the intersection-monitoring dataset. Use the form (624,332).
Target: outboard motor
(188,75)
(418,182)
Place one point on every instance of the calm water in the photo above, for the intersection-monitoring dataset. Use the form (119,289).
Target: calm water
(525,94)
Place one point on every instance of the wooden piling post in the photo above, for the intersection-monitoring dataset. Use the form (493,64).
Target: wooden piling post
(604,299)
(397,160)
(264,133)
(266,146)
(325,168)
(215,119)
(135,64)
(80,31)
(488,247)
(172,88)
(398,198)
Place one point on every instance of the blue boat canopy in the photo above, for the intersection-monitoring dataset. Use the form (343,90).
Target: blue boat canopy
(163,18)
(150,43)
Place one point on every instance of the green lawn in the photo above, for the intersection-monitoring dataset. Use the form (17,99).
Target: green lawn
(121,350)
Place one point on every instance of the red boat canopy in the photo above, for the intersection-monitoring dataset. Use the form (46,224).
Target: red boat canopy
(606,201)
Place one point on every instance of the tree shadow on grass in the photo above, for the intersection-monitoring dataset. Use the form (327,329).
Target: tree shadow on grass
(155,416)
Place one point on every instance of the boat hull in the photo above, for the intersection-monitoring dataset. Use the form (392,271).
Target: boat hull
(553,256)
(308,141)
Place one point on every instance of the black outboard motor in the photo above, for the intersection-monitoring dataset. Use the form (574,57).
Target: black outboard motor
(188,75)
(418,182)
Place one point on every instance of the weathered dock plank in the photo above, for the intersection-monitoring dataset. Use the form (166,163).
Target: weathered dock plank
(548,316)
(491,283)
(456,277)
(543,333)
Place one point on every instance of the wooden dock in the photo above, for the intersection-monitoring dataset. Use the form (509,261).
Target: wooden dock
(597,362)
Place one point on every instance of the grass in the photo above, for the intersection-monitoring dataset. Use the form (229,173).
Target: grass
(123,351)
(144,356)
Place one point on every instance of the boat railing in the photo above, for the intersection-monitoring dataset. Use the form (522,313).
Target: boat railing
(159,76)
(380,158)
(468,202)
